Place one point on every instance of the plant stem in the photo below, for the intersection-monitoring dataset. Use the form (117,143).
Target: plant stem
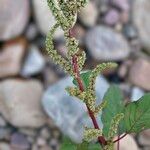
(118,144)
(101,139)
(120,138)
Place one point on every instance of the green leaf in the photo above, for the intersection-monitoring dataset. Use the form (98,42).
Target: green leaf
(137,115)
(67,144)
(89,146)
(85,78)
(94,147)
(83,146)
(114,106)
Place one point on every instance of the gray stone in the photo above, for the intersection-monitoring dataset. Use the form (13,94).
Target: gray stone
(141,19)
(34,62)
(4,146)
(44,17)
(104,43)
(5,133)
(69,113)
(19,142)
(14,16)
(2,122)
(20,102)
(136,94)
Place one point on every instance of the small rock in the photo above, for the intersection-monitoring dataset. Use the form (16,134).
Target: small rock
(11,58)
(50,77)
(46,147)
(88,15)
(127,143)
(2,122)
(122,4)
(31,31)
(102,46)
(14,16)
(45,133)
(4,146)
(44,18)
(19,142)
(111,17)
(41,141)
(53,143)
(69,108)
(139,73)
(144,138)
(136,93)
(22,97)
(28,132)
(130,31)
(123,68)
(34,62)
(5,133)
(141,19)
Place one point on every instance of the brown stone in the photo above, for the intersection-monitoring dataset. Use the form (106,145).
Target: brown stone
(20,102)
(139,73)
(11,57)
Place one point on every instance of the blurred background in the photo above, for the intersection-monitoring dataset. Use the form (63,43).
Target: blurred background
(35,111)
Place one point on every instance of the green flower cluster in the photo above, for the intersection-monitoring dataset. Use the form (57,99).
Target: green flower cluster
(65,13)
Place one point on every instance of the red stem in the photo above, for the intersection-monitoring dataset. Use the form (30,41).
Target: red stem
(120,138)
(101,139)
(118,144)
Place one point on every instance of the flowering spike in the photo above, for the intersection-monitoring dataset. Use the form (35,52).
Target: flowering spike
(114,125)
(81,3)
(91,134)
(81,60)
(74,91)
(100,68)
(109,146)
(99,108)
(58,13)
(58,59)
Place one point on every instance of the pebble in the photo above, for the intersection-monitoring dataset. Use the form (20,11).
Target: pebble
(19,142)
(130,31)
(139,73)
(44,18)
(136,93)
(111,17)
(141,19)
(41,141)
(45,133)
(122,4)
(31,31)
(144,138)
(4,146)
(14,16)
(102,46)
(11,58)
(126,143)
(20,97)
(5,133)
(2,122)
(69,108)
(88,15)
(34,62)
